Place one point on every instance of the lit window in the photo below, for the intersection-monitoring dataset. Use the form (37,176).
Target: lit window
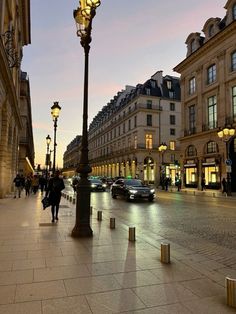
(211,147)
(135,142)
(192,86)
(211,74)
(148,141)
(172,145)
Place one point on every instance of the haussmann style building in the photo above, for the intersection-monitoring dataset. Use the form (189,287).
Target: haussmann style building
(208,95)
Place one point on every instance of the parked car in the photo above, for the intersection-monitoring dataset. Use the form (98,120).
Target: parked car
(132,189)
(97,185)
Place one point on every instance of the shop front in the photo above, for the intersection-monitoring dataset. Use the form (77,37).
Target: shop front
(211,173)
(190,173)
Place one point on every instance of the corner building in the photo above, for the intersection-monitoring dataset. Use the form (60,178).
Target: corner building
(125,135)
(208,94)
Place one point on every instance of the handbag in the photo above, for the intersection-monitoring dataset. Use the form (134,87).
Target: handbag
(46,202)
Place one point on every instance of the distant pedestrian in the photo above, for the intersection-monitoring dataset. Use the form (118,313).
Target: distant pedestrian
(35,184)
(203,184)
(27,185)
(55,186)
(224,186)
(18,185)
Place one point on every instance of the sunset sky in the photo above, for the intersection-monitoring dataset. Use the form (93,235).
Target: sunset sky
(131,40)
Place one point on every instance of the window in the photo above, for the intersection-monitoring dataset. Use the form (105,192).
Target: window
(153,83)
(192,119)
(234,12)
(172,119)
(148,141)
(192,86)
(211,74)
(192,46)
(135,121)
(149,104)
(148,91)
(172,145)
(172,106)
(172,158)
(171,94)
(129,109)
(149,120)
(135,142)
(123,127)
(129,125)
(191,151)
(172,131)
(211,30)
(212,112)
(211,147)
(234,101)
(119,130)
(169,84)
(233,61)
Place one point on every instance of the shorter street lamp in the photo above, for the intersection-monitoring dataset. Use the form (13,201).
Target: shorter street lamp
(48,141)
(55,111)
(162,148)
(226,134)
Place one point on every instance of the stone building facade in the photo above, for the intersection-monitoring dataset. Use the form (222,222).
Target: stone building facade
(71,157)
(208,95)
(15,33)
(125,136)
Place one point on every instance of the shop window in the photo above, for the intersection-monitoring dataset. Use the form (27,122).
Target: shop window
(211,147)
(191,151)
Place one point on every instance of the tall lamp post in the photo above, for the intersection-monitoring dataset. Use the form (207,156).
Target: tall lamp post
(226,134)
(55,111)
(162,148)
(83,16)
(48,141)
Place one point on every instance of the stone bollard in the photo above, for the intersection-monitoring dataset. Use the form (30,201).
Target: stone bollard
(132,234)
(91,210)
(112,223)
(99,215)
(165,253)
(230,291)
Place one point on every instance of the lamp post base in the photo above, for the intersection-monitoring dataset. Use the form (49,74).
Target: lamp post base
(82,231)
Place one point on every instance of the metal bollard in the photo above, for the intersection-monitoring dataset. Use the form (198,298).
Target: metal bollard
(165,253)
(132,234)
(230,291)
(112,223)
(99,215)
(91,210)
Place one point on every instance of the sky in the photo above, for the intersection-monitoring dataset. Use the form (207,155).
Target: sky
(131,40)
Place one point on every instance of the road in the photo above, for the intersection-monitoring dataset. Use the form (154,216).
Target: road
(201,224)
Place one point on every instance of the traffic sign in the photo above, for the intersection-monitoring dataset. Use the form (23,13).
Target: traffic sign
(228,162)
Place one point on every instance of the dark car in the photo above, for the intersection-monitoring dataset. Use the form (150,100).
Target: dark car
(97,185)
(132,189)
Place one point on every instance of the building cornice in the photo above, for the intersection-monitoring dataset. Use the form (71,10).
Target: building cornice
(209,45)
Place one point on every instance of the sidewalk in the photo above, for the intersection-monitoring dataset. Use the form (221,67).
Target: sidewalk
(45,271)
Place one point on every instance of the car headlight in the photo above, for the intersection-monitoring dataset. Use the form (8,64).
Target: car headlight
(93,185)
(133,191)
(152,190)
(104,185)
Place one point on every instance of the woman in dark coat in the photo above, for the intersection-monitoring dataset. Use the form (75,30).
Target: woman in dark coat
(55,186)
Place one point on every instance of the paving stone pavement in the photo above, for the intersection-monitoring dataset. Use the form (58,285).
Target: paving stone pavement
(43,270)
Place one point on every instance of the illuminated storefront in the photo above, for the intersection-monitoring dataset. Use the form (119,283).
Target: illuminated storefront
(211,173)
(190,174)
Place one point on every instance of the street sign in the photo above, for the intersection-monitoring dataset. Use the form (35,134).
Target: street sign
(228,169)
(228,162)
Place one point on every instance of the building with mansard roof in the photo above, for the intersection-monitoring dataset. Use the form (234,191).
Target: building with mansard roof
(208,95)
(14,94)
(125,136)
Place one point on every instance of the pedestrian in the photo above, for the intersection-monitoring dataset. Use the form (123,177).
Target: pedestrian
(35,184)
(18,185)
(178,182)
(27,185)
(167,182)
(203,183)
(224,186)
(53,192)
(42,183)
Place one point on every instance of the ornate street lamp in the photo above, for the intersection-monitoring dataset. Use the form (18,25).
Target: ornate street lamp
(55,111)
(83,16)
(226,134)
(48,141)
